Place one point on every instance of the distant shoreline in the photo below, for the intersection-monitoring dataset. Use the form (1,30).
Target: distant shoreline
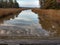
(9,11)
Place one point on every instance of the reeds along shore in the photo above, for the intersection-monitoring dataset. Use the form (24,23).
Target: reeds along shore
(53,14)
(9,11)
(49,20)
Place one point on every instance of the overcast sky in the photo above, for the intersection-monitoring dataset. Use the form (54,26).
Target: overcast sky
(28,3)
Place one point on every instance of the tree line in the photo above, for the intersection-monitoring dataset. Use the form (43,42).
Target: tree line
(8,4)
(50,4)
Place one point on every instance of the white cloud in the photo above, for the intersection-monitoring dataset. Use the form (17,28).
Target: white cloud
(29,3)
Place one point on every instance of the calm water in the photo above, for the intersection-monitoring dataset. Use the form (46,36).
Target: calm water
(28,23)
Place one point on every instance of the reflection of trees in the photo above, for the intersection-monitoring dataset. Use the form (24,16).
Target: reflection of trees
(2,19)
(49,23)
(8,4)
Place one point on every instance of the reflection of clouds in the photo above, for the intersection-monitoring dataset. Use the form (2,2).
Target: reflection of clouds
(31,3)
(31,30)
(25,24)
(23,19)
(27,15)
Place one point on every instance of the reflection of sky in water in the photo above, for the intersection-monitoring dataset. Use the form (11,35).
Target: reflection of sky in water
(25,17)
(28,3)
(28,16)
(28,20)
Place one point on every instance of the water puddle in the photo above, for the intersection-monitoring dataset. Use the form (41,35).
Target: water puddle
(26,23)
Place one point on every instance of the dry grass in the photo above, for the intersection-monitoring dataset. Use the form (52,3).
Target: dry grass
(9,11)
(50,13)
(50,20)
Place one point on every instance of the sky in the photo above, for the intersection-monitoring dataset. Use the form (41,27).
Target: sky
(28,3)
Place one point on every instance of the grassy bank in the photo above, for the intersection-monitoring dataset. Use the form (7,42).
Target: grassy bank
(49,13)
(9,11)
(49,20)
